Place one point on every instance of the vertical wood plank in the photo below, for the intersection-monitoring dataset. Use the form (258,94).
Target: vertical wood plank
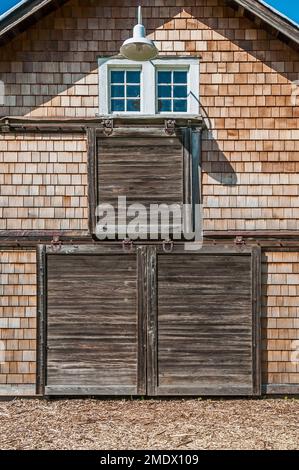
(195,150)
(152,360)
(92,179)
(41,320)
(196,176)
(142,318)
(256,319)
(187,178)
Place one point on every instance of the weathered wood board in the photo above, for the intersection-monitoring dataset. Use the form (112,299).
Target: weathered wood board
(92,323)
(145,170)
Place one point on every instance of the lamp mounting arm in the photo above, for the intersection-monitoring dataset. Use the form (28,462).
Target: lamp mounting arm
(139,15)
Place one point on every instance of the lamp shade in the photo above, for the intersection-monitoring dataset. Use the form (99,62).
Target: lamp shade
(139,47)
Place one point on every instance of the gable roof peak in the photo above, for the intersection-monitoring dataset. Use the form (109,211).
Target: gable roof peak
(28,12)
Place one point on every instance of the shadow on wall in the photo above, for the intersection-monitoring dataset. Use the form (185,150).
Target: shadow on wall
(74,37)
(214,161)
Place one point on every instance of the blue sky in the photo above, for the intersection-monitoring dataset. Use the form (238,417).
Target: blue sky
(289,7)
(6,4)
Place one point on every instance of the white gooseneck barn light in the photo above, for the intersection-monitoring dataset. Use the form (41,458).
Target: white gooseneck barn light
(139,47)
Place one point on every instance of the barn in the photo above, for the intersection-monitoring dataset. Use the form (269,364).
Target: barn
(211,123)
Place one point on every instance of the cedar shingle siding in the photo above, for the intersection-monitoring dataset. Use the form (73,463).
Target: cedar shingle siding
(43,182)
(250,151)
(18,322)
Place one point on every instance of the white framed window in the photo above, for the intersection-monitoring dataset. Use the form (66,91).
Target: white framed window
(168,85)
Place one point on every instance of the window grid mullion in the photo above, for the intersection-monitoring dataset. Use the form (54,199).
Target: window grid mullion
(125,84)
(172,90)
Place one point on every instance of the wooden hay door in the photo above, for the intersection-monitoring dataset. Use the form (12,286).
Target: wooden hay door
(146,322)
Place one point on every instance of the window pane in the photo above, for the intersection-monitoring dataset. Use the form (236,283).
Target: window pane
(179,77)
(180,91)
(117,90)
(133,105)
(133,91)
(164,91)
(117,105)
(133,77)
(164,77)
(164,105)
(117,76)
(180,106)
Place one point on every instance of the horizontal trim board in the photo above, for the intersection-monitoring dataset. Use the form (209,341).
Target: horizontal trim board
(89,250)
(42,233)
(278,246)
(252,234)
(24,390)
(281,389)
(208,249)
(61,390)
(202,390)
(21,124)
(118,248)
(226,237)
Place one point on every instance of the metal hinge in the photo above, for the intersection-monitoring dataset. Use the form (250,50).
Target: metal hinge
(127,245)
(108,126)
(170,126)
(56,244)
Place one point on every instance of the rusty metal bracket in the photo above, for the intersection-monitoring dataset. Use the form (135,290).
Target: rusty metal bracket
(5,127)
(167,246)
(170,126)
(239,241)
(56,244)
(108,126)
(127,245)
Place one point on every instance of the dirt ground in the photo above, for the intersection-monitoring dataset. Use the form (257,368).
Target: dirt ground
(154,424)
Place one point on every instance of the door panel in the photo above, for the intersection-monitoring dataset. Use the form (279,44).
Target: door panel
(203,323)
(92,323)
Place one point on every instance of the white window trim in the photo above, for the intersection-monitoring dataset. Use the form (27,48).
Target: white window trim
(148,103)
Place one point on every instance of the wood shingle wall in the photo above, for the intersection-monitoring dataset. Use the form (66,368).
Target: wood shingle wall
(43,182)
(17,322)
(280,322)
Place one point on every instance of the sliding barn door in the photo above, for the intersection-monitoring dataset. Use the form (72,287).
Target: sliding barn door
(146,322)
(203,323)
(92,322)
